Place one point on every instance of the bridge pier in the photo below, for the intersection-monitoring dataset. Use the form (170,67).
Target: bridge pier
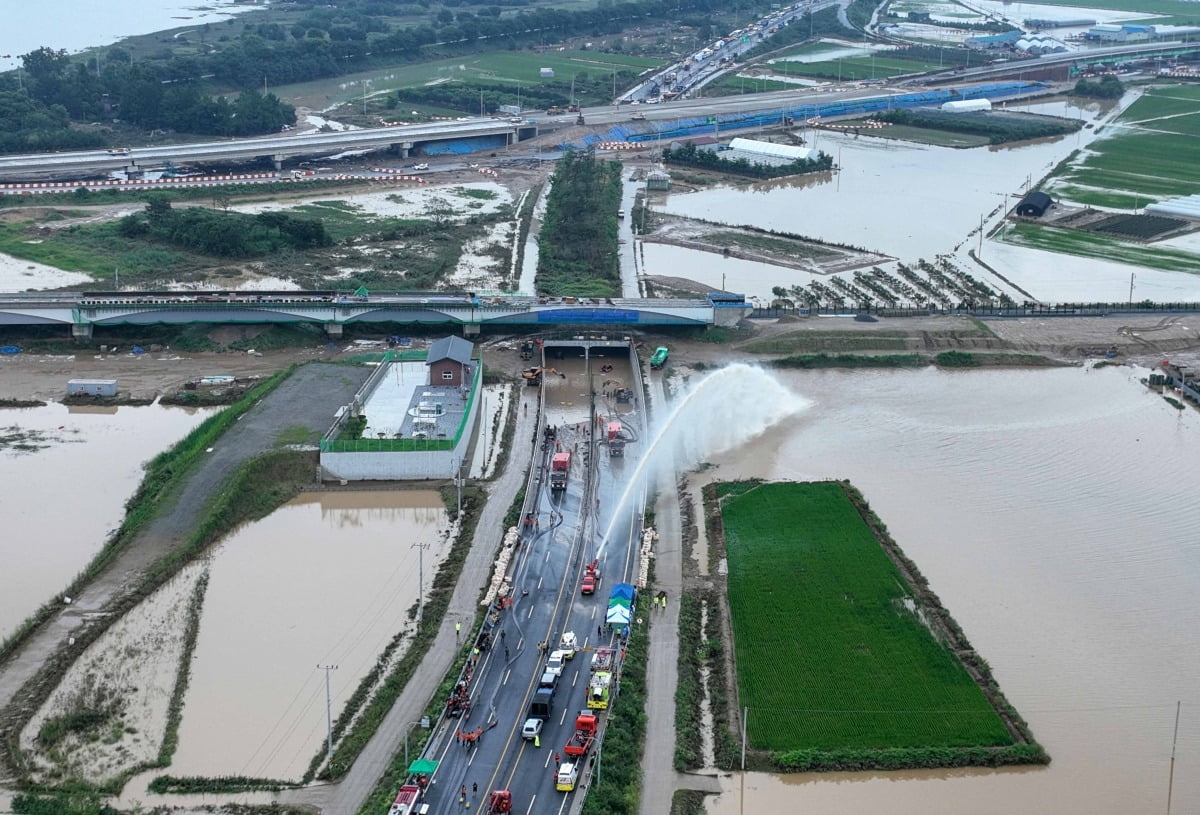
(470,329)
(278,159)
(81,331)
(334,330)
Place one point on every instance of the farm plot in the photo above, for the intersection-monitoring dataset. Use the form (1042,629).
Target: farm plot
(832,650)
(1154,154)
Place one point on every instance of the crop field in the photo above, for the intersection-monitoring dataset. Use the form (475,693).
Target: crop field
(853,68)
(1094,245)
(1155,153)
(829,651)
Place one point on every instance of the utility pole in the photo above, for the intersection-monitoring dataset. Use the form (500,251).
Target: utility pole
(420,547)
(328,714)
(1131,276)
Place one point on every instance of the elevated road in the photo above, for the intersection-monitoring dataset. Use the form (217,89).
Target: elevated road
(85,312)
(278,147)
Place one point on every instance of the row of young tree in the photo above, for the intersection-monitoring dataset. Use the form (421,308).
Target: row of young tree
(577,247)
(689,155)
(223,233)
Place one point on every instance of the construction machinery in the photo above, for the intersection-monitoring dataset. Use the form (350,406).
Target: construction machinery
(624,396)
(533,376)
(586,724)
(560,470)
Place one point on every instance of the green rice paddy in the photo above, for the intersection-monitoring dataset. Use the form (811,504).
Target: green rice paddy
(1153,154)
(1102,247)
(830,653)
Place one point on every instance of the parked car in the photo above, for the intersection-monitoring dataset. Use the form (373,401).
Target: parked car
(531,729)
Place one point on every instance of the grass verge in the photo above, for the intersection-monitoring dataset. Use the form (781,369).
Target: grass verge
(688,802)
(850,361)
(619,789)
(690,688)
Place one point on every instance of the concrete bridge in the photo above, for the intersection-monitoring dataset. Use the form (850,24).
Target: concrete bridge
(84,312)
(404,139)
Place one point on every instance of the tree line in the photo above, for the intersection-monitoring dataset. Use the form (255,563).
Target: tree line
(689,155)
(173,90)
(577,247)
(223,233)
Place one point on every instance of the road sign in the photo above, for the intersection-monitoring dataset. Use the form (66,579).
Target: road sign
(712,120)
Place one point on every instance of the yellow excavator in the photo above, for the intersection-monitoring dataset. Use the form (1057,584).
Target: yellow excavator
(533,376)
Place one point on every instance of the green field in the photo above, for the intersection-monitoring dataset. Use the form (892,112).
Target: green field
(829,655)
(1101,247)
(853,69)
(490,68)
(1153,154)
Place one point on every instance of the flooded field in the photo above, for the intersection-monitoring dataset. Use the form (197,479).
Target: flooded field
(87,460)
(1051,512)
(326,580)
(896,198)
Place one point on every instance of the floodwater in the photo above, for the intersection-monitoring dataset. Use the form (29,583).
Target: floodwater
(327,579)
(88,463)
(1053,513)
(913,201)
(77,24)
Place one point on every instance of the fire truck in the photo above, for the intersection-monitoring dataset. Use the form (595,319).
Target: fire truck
(560,469)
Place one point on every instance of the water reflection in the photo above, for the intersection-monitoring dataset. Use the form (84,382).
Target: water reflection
(328,579)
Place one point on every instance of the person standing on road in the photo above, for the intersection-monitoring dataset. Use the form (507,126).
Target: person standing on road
(457,631)
(557,760)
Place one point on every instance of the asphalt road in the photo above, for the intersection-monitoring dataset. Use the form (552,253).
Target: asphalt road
(549,569)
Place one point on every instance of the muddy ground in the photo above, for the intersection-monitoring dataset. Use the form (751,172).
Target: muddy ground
(1141,340)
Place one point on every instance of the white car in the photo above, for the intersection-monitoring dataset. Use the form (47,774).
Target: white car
(420,166)
(556,662)
(531,729)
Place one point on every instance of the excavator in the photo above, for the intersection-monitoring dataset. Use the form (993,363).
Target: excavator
(533,376)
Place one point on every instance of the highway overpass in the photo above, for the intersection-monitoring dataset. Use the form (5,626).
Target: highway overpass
(404,139)
(84,313)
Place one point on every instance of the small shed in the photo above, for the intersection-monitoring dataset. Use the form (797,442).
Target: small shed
(658,180)
(92,387)
(449,361)
(546,73)
(1034,205)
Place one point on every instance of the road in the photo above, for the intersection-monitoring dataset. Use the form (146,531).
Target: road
(547,603)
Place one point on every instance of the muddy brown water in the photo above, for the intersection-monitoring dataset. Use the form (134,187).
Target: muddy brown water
(1053,513)
(60,501)
(327,579)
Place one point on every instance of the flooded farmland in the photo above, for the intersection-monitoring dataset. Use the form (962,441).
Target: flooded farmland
(1052,512)
(327,579)
(66,478)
